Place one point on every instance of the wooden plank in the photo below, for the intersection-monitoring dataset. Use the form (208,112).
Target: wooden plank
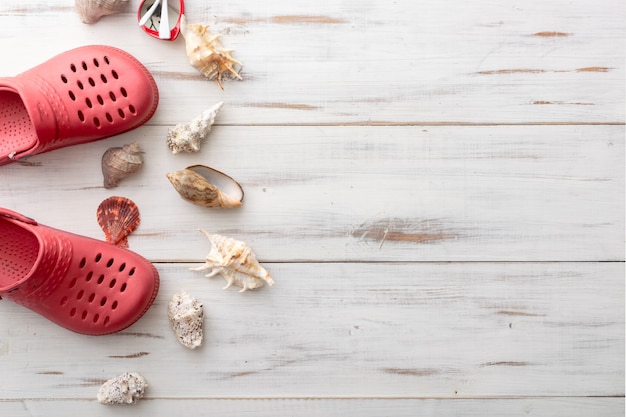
(368,62)
(535,407)
(404,193)
(416,330)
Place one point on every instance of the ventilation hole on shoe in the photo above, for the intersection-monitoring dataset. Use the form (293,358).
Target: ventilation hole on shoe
(123,287)
(96,121)
(84,315)
(73,68)
(88,102)
(82,263)
(113,98)
(89,276)
(121,113)
(123,91)
(103,301)
(114,74)
(92,297)
(103,78)
(122,266)
(81,116)
(96,317)
(106,59)
(73,283)
(72,96)
(106,320)
(73,312)
(80,294)
(110,263)
(98,257)
(84,65)
(114,305)
(100,279)
(131,108)
(80,85)
(131,272)
(91,82)
(64,79)
(95,62)
(109,118)
(112,283)
(64,300)
(100,99)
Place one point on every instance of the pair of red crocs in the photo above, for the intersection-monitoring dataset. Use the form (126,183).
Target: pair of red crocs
(79,96)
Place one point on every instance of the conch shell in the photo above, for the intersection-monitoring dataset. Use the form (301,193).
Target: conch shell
(118,217)
(186,316)
(90,11)
(127,388)
(118,163)
(188,137)
(236,262)
(206,187)
(206,53)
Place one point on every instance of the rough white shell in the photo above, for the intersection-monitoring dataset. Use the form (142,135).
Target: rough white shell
(127,388)
(90,11)
(206,53)
(188,137)
(235,261)
(186,316)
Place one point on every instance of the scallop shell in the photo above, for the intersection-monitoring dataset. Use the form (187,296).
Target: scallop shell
(206,187)
(90,11)
(188,137)
(118,163)
(118,217)
(186,316)
(206,53)
(236,262)
(127,388)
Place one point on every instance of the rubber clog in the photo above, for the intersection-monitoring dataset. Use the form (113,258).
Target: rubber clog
(85,285)
(82,95)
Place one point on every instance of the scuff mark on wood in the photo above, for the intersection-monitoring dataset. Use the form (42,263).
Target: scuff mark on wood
(240,374)
(543,102)
(294,106)
(130,356)
(401,230)
(139,334)
(87,382)
(505,363)
(594,69)
(518,313)
(411,371)
(50,373)
(551,34)
(513,71)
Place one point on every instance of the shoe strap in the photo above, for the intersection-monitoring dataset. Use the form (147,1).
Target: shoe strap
(16,216)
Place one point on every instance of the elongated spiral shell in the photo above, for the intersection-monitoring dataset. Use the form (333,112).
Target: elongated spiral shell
(90,11)
(118,163)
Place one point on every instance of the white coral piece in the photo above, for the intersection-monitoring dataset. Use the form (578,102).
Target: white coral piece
(188,137)
(127,388)
(236,262)
(186,316)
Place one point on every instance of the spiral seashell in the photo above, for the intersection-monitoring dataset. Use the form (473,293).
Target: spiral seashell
(90,11)
(118,217)
(235,261)
(206,187)
(206,53)
(118,163)
(188,137)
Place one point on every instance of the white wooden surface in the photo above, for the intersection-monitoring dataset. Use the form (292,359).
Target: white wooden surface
(437,188)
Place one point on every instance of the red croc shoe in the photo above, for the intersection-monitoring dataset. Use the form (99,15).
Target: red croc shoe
(82,284)
(79,96)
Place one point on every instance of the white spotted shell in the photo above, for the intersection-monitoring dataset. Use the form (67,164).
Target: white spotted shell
(127,388)
(186,317)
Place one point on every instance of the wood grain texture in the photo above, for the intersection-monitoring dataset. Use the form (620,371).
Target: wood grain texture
(415,330)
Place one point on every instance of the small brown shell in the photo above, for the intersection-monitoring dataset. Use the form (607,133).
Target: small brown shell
(118,163)
(90,11)
(206,187)
(118,217)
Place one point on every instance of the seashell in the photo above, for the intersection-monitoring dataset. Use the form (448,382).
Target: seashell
(127,388)
(90,11)
(188,137)
(236,262)
(118,163)
(118,217)
(206,53)
(206,187)
(186,316)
